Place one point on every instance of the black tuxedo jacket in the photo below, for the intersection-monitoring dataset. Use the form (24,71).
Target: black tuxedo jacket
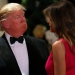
(37,53)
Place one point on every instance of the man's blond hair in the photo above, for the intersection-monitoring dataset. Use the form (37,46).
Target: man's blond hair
(7,9)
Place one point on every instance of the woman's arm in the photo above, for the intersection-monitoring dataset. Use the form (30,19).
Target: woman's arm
(59,58)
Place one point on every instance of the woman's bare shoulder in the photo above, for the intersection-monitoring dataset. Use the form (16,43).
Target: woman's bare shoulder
(58,48)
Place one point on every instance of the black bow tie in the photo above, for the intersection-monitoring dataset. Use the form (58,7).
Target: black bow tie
(13,39)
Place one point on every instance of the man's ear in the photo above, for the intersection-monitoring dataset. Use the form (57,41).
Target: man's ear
(5,24)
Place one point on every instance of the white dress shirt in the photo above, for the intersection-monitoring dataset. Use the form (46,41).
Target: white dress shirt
(20,52)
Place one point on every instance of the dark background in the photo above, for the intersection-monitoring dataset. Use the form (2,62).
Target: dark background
(34,14)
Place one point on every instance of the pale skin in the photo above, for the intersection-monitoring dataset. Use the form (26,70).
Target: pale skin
(58,50)
(15,24)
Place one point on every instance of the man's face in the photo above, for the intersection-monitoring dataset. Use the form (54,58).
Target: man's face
(17,23)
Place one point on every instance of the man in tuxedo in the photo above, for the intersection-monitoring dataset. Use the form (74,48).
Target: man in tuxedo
(23,55)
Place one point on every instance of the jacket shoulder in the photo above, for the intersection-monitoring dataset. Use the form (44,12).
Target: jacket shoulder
(36,39)
(2,41)
(40,45)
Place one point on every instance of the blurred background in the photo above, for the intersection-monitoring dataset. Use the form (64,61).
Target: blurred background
(37,25)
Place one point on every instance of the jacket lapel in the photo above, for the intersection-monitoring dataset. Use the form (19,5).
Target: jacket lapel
(30,54)
(10,60)
(33,54)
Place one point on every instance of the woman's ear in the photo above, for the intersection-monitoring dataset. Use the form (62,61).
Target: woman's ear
(5,24)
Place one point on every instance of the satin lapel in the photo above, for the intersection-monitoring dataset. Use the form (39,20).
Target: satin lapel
(10,60)
(32,53)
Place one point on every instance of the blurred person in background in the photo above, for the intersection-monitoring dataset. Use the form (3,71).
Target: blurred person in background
(61,19)
(23,55)
(39,31)
(51,38)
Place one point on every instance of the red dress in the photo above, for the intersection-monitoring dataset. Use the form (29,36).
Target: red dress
(70,61)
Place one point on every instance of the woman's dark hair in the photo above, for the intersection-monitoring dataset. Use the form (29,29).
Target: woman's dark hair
(62,15)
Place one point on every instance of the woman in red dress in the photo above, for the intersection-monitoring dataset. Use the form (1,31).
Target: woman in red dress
(61,19)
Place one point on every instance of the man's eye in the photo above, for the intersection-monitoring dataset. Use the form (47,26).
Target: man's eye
(17,17)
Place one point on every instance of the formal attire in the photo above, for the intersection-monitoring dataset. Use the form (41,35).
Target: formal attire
(24,59)
(20,52)
(3,67)
(69,57)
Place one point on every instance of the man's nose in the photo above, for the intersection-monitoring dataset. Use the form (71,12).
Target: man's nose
(23,19)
